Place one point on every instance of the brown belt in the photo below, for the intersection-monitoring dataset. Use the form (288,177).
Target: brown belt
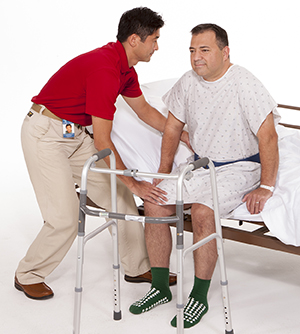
(45,112)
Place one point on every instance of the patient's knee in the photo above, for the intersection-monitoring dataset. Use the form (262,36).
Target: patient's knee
(156,210)
(202,219)
(151,209)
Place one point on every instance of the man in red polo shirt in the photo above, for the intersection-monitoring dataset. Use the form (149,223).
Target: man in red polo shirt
(81,93)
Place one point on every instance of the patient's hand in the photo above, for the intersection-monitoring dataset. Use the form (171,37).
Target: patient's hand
(149,192)
(256,200)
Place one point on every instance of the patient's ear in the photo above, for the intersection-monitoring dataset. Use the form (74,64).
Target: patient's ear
(226,52)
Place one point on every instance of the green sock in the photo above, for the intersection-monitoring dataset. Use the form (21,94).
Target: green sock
(159,293)
(196,305)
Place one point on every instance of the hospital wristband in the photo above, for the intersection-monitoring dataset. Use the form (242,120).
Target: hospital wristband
(267,187)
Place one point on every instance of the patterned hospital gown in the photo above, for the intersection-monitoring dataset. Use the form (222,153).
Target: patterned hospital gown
(223,118)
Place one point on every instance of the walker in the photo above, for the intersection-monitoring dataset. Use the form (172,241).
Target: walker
(178,219)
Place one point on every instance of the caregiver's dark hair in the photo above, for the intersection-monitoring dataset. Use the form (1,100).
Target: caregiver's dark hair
(141,21)
(221,34)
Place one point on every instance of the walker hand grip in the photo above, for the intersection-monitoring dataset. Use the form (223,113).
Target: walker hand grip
(103,153)
(200,163)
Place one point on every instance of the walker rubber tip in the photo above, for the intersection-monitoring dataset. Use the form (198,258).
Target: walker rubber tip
(117,315)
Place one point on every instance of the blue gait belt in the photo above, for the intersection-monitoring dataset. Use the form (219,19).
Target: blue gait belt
(253,158)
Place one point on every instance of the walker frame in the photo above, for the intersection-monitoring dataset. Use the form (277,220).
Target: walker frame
(178,219)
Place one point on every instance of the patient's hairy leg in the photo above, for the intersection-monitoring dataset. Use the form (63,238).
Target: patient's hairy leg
(159,246)
(158,236)
(205,259)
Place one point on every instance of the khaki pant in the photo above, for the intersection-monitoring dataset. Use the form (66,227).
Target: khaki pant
(54,164)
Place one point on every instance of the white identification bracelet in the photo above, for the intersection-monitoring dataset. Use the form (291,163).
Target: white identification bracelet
(267,187)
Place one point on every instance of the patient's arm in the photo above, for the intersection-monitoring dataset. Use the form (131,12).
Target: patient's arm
(269,158)
(170,142)
(102,130)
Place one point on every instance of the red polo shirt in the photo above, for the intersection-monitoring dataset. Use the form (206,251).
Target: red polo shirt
(89,85)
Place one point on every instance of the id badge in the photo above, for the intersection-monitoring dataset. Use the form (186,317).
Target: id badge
(68,129)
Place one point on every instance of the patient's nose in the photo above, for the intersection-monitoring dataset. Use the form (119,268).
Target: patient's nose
(198,55)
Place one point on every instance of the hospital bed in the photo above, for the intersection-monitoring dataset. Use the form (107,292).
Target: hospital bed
(276,227)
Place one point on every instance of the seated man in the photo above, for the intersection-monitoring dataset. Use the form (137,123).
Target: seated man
(231,118)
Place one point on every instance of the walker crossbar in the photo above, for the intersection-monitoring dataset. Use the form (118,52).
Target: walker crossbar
(114,216)
(122,216)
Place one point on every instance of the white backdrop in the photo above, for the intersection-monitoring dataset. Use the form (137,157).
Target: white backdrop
(39,36)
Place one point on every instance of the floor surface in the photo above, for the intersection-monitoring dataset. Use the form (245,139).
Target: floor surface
(264,287)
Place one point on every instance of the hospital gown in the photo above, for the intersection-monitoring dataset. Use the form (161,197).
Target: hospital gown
(223,118)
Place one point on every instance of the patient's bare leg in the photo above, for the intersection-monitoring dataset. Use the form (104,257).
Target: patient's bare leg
(158,236)
(159,246)
(205,259)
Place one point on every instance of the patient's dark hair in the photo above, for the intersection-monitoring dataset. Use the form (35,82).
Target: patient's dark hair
(221,34)
(141,21)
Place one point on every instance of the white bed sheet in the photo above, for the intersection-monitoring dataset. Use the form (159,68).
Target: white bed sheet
(132,136)
(139,147)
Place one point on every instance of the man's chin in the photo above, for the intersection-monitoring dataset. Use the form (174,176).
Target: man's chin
(199,71)
(146,60)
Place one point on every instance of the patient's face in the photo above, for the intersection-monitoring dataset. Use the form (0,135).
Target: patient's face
(145,50)
(207,59)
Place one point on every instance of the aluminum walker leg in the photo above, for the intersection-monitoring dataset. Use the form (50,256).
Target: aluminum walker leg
(180,304)
(79,267)
(79,272)
(220,250)
(179,247)
(224,286)
(78,286)
(116,273)
(181,254)
(82,239)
